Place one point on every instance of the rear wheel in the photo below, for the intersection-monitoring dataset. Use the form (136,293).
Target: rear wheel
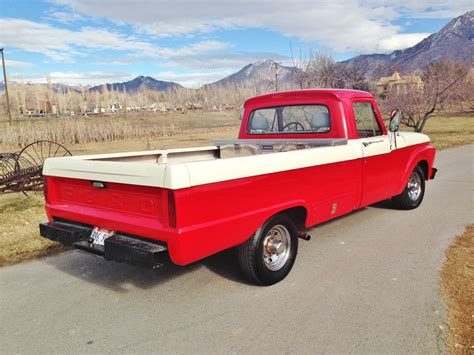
(268,256)
(414,191)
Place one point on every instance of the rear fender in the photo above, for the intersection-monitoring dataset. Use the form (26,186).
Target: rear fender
(199,241)
(283,208)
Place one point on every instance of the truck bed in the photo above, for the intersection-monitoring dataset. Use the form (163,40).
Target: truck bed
(180,168)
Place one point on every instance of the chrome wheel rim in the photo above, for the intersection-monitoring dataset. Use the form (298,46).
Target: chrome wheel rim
(276,247)
(414,186)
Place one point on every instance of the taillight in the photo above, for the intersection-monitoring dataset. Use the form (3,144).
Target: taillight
(171,210)
(45,189)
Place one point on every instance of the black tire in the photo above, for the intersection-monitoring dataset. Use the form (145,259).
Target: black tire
(408,199)
(253,255)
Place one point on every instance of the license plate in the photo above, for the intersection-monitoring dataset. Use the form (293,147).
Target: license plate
(99,235)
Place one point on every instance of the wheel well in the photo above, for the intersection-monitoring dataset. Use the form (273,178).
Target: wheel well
(424,166)
(297,215)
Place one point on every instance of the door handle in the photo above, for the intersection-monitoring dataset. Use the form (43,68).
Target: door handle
(366,144)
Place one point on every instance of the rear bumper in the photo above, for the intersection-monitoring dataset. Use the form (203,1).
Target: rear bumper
(119,247)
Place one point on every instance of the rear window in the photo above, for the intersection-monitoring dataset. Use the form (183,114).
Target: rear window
(290,119)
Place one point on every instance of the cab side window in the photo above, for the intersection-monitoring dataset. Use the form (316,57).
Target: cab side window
(366,120)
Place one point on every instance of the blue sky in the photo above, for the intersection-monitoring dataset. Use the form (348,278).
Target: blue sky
(196,42)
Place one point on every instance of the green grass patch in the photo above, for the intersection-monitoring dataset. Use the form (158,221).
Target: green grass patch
(19,232)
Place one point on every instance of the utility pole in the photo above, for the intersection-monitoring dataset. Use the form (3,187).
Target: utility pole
(275,64)
(276,76)
(6,87)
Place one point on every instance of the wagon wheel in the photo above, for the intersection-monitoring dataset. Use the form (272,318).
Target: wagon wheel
(8,171)
(30,162)
(7,166)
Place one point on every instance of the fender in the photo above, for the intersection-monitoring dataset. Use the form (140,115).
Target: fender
(419,153)
(199,241)
(263,215)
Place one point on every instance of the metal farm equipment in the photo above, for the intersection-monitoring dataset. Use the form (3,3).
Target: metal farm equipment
(22,171)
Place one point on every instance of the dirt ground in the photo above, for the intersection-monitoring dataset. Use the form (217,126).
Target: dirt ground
(457,283)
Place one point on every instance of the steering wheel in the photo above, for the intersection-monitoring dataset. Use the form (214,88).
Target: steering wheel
(293,123)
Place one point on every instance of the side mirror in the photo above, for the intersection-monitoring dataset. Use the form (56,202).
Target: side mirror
(395,117)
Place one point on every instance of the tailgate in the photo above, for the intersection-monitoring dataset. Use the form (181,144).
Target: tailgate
(133,209)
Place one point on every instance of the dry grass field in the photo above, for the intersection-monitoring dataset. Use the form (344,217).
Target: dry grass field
(457,282)
(19,237)
(109,129)
(449,132)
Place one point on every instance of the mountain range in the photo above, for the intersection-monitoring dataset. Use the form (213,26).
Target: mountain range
(454,41)
(137,83)
(259,74)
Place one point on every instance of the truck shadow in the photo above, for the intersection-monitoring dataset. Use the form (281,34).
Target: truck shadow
(225,264)
(122,277)
(385,204)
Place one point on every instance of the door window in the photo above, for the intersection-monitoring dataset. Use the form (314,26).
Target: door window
(366,120)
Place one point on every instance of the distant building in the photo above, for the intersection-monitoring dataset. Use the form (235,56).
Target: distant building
(132,108)
(115,107)
(396,83)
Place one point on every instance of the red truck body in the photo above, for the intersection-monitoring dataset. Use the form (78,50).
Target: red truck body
(205,218)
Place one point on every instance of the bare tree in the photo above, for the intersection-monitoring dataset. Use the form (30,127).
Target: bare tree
(442,82)
(322,71)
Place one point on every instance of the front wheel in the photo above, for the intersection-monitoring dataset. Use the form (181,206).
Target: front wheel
(413,193)
(268,256)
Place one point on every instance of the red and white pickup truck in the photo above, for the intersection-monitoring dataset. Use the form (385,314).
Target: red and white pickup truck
(301,158)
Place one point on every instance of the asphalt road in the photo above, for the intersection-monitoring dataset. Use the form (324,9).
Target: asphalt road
(365,283)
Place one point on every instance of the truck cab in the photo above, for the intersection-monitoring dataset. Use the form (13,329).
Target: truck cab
(349,114)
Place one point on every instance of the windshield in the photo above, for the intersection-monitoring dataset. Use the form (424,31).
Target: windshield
(290,119)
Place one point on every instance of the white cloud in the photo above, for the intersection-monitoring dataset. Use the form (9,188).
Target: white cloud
(349,26)
(222,59)
(65,17)
(73,78)
(404,40)
(426,8)
(193,49)
(63,45)
(193,79)
(17,64)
